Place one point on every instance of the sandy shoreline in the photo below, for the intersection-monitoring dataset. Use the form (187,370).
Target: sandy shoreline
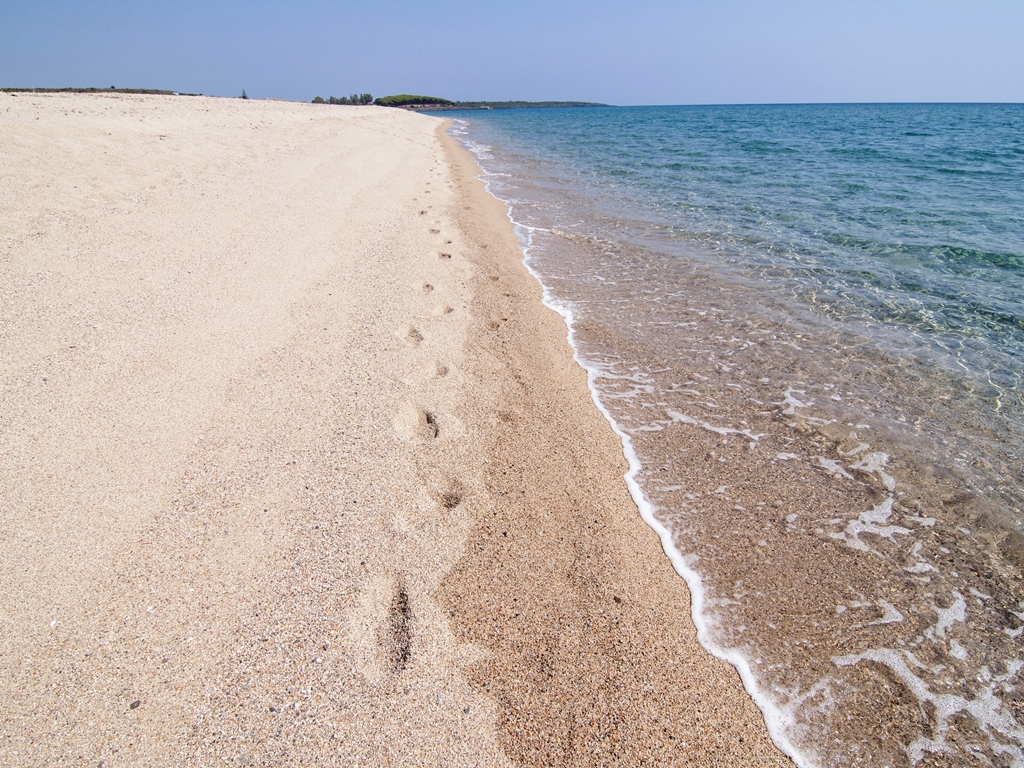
(297,469)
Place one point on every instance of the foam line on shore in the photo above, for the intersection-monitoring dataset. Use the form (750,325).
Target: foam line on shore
(777,720)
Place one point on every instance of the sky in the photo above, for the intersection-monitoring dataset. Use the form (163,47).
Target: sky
(610,51)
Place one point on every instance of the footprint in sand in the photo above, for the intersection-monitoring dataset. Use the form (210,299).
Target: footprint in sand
(417,425)
(440,310)
(397,637)
(451,495)
(433,429)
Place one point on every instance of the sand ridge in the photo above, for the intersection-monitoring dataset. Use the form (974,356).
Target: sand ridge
(266,400)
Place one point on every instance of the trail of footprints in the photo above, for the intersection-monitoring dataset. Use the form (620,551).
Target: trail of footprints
(397,636)
(399,631)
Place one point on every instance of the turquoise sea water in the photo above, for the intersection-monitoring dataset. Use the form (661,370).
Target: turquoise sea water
(807,324)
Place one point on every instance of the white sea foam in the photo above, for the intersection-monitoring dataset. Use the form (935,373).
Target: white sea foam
(871,522)
(957,612)
(641,382)
(724,431)
(890,615)
(833,468)
(875,463)
(986,707)
(957,651)
(792,403)
(854,451)
(780,721)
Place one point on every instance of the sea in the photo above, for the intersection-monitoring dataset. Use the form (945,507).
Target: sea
(806,325)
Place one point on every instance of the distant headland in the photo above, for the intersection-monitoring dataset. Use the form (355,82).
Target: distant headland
(435,103)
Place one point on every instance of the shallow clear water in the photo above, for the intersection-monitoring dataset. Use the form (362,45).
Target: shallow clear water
(807,324)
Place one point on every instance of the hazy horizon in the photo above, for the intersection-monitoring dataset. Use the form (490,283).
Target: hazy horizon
(647,53)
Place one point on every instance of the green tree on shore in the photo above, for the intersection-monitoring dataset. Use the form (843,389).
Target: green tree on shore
(408,100)
(354,99)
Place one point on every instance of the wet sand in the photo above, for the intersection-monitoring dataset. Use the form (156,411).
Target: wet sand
(297,469)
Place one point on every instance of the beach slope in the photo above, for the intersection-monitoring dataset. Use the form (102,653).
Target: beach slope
(296,468)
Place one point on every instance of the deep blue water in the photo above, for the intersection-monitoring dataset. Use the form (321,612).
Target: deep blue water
(806,322)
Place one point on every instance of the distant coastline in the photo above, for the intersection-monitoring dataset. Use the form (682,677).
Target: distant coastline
(437,104)
(403,101)
(460,105)
(111,89)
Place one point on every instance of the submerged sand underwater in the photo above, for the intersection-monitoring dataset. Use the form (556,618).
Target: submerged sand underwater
(803,321)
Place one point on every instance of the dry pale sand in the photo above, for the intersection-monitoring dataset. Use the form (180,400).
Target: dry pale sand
(295,469)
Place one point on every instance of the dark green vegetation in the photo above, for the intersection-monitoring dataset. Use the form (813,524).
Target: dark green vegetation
(111,89)
(408,100)
(355,98)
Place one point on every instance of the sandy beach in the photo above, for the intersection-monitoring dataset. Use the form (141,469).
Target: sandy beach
(296,468)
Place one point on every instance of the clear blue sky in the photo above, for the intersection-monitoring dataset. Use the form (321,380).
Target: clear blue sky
(639,52)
